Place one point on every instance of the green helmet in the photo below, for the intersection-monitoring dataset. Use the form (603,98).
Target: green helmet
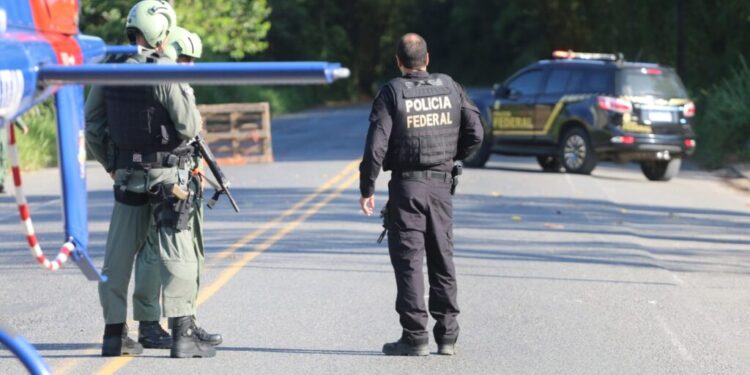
(183,42)
(155,19)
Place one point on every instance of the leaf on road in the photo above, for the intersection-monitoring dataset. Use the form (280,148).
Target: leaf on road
(516,218)
(554,226)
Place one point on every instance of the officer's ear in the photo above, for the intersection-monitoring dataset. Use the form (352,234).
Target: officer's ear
(427,60)
(398,63)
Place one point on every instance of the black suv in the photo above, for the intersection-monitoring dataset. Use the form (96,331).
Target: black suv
(579,108)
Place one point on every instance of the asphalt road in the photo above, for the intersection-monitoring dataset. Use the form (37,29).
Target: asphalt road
(558,274)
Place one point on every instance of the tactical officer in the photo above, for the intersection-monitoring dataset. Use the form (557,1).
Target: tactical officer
(183,47)
(139,133)
(420,124)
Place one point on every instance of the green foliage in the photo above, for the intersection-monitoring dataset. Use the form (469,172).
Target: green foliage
(724,127)
(479,42)
(235,28)
(106,19)
(38,148)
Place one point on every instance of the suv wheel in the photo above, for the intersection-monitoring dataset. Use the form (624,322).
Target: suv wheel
(549,163)
(576,153)
(661,170)
(479,158)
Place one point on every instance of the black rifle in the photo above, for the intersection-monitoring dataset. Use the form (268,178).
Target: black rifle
(221,185)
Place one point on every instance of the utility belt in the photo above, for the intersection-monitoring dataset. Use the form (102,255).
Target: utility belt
(153,160)
(173,204)
(427,175)
(450,178)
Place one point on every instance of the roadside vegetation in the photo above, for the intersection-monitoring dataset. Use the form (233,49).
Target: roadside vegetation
(38,148)
(723,126)
(479,42)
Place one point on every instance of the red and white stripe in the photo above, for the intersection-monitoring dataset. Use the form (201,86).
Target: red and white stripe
(23,211)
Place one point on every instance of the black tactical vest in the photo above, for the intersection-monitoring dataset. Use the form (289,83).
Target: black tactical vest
(138,123)
(425,123)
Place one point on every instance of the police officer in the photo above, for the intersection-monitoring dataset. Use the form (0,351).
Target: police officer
(420,124)
(139,134)
(183,47)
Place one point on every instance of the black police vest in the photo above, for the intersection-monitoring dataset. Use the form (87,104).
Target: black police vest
(426,123)
(138,123)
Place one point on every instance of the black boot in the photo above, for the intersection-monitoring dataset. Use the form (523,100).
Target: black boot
(214,339)
(152,336)
(185,343)
(117,343)
(407,346)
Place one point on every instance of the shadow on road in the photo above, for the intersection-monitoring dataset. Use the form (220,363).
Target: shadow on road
(55,347)
(300,351)
(551,229)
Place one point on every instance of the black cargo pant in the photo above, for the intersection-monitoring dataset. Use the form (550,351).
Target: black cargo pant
(421,211)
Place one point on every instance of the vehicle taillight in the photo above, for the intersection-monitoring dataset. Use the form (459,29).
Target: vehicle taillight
(615,104)
(624,139)
(688,110)
(651,71)
(689,143)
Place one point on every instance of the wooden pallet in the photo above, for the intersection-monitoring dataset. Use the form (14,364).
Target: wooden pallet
(238,133)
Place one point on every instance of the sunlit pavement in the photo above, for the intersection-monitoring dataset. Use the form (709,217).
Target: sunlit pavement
(558,273)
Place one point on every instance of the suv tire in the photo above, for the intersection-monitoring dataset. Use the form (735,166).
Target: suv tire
(576,153)
(549,163)
(479,158)
(661,170)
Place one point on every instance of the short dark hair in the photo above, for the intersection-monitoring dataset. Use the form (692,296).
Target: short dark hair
(412,51)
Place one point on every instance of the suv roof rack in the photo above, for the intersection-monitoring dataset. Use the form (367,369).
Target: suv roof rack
(571,55)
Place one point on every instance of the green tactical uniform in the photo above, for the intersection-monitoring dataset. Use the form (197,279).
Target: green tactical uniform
(169,258)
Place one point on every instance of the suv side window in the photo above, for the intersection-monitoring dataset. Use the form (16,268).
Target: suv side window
(597,81)
(587,81)
(557,81)
(574,83)
(527,84)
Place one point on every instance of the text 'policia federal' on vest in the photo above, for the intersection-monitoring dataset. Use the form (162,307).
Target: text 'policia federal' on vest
(425,105)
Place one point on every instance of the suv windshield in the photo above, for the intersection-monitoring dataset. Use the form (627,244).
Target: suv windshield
(656,82)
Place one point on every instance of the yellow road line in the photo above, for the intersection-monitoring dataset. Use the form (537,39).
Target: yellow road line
(291,210)
(67,366)
(116,364)
(235,267)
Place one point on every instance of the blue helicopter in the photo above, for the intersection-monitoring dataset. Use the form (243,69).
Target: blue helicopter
(42,53)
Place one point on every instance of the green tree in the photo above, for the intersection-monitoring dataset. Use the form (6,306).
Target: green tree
(234,28)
